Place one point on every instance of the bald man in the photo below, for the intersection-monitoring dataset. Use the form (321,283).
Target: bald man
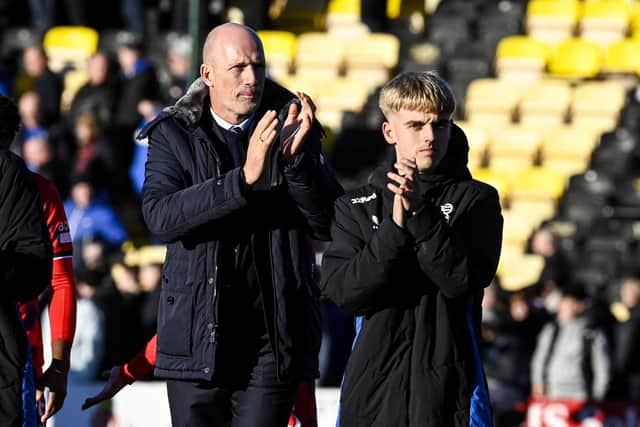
(236,185)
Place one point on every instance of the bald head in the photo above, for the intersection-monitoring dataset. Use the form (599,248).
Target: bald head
(234,69)
(226,34)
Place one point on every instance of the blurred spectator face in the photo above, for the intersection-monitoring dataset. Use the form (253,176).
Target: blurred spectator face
(36,152)
(127,59)
(34,61)
(630,292)
(543,242)
(519,307)
(85,290)
(81,193)
(98,67)
(569,308)
(178,64)
(92,255)
(29,106)
(235,73)
(148,109)
(124,280)
(86,128)
(149,276)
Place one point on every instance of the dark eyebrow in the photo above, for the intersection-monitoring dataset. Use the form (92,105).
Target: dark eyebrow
(413,123)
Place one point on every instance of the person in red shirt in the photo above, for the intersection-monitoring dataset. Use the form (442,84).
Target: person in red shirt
(62,309)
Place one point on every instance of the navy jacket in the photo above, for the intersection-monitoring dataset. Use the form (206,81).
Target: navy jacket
(189,203)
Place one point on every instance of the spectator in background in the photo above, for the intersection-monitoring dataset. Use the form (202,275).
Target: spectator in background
(99,94)
(139,82)
(572,359)
(29,107)
(45,83)
(627,342)
(178,60)
(88,342)
(509,341)
(93,156)
(149,111)
(90,217)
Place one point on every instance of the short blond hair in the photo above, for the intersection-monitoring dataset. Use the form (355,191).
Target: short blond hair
(417,91)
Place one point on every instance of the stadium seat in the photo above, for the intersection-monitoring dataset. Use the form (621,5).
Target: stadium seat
(280,50)
(552,21)
(597,104)
(306,84)
(513,147)
(69,46)
(332,102)
(343,14)
(521,58)
(519,271)
(604,22)
(536,189)
(545,103)
(319,55)
(491,102)
(500,179)
(567,149)
(576,58)
(372,57)
(623,58)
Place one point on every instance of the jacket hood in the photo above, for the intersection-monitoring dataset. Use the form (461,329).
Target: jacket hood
(452,167)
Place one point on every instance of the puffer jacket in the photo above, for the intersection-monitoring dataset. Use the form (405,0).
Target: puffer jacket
(416,295)
(191,203)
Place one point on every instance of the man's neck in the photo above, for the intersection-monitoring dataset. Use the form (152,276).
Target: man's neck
(243,123)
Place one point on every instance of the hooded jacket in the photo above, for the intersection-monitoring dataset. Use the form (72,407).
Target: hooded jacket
(192,204)
(416,294)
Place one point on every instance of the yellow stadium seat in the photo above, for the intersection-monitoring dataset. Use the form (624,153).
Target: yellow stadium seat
(567,149)
(478,139)
(513,146)
(305,84)
(69,46)
(545,102)
(604,22)
(500,179)
(319,55)
(552,21)
(371,57)
(280,50)
(538,183)
(486,97)
(576,58)
(537,210)
(520,272)
(597,104)
(343,14)
(332,102)
(521,58)
(634,19)
(622,57)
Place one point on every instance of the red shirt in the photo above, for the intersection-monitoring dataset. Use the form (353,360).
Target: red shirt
(62,310)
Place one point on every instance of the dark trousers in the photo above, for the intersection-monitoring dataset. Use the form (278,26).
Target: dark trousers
(262,401)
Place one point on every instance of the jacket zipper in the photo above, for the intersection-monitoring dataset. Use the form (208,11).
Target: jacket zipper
(275,309)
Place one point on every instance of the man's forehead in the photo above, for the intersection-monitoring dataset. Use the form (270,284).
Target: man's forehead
(405,114)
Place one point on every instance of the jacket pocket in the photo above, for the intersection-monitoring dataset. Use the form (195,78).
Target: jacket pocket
(175,312)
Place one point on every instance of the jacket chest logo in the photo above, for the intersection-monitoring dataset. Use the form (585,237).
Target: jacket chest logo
(447,210)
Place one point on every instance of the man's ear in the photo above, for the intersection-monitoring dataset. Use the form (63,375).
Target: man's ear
(388,133)
(206,74)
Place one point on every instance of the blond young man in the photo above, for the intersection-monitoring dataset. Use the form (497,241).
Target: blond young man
(411,253)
